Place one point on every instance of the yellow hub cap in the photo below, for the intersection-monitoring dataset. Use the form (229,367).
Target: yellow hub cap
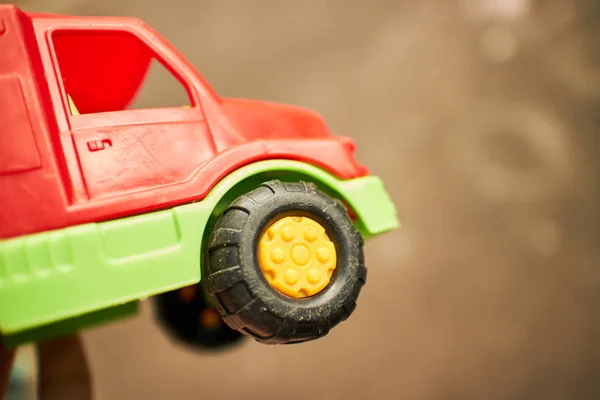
(297,257)
(210,318)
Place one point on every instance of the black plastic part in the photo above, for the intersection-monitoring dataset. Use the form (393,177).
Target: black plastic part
(181,319)
(238,287)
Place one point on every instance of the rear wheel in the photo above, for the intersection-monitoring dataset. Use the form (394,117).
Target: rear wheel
(285,263)
(187,315)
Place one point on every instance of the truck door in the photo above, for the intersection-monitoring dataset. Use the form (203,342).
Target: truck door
(122,150)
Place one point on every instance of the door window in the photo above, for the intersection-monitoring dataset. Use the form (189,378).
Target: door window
(108,71)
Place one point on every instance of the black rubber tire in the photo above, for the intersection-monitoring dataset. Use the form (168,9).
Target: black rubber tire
(181,320)
(238,287)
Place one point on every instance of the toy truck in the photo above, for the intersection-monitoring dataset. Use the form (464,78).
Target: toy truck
(251,209)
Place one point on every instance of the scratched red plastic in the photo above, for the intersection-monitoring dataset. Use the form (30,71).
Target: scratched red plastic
(59,169)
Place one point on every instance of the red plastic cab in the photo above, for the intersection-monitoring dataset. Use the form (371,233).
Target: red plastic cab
(72,151)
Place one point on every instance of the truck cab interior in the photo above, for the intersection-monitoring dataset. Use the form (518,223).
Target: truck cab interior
(105,71)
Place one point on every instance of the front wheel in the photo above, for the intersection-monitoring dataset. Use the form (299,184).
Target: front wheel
(285,263)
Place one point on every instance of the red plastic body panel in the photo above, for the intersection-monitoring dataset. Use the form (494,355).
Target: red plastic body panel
(59,169)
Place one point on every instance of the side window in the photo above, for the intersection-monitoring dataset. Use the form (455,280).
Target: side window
(106,71)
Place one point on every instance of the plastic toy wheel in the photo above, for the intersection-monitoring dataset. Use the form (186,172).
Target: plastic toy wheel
(186,315)
(285,263)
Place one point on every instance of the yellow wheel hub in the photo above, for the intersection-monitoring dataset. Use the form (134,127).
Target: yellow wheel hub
(297,257)
(210,318)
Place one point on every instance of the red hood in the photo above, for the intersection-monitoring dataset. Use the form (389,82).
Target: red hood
(265,120)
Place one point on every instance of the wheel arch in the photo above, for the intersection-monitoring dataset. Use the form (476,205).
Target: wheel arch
(251,176)
(368,203)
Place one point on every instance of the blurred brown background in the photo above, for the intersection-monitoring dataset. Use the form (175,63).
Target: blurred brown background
(482,117)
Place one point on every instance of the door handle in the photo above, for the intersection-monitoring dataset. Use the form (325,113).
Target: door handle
(96,145)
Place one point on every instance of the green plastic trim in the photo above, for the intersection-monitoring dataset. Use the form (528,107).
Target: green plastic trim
(62,274)
(74,109)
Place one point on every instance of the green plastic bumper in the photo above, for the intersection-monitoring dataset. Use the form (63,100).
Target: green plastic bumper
(371,203)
